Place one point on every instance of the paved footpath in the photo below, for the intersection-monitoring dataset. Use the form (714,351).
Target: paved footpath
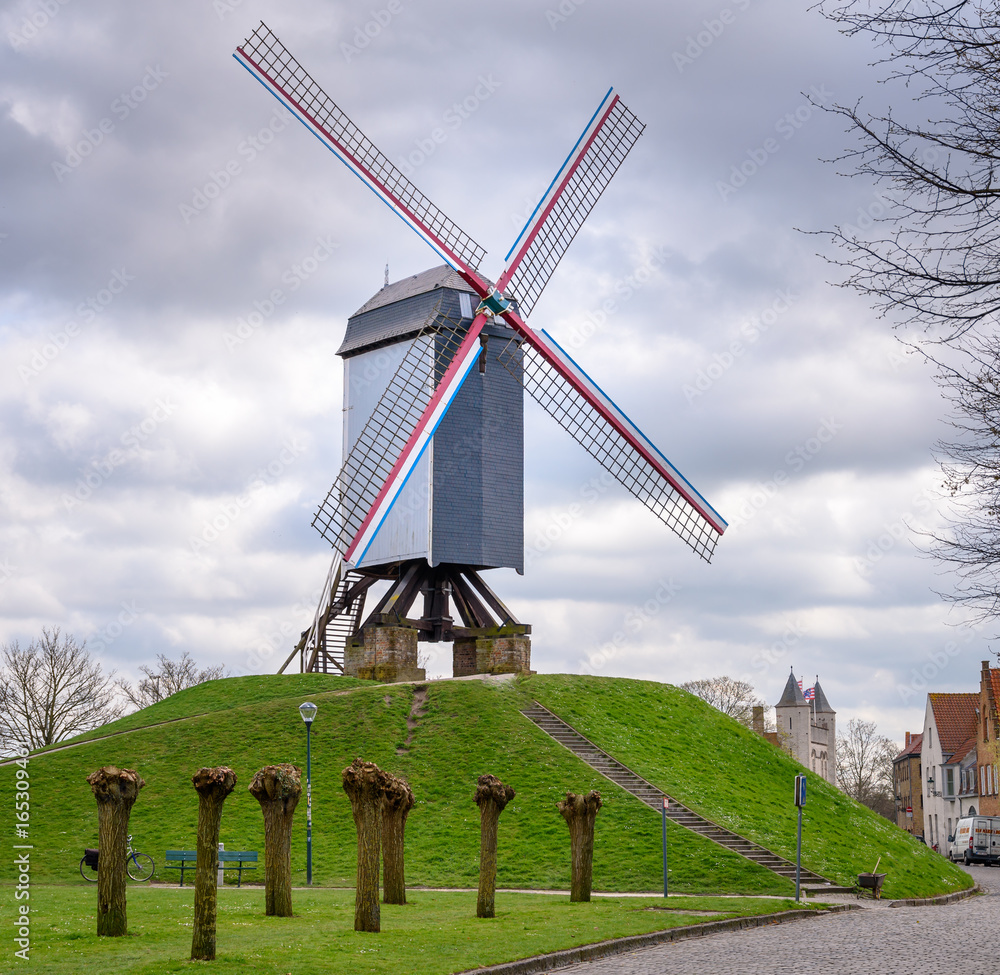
(878,941)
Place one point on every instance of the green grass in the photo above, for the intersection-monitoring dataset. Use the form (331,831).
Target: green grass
(468,728)
(222,695)
(727,773)
(434,934)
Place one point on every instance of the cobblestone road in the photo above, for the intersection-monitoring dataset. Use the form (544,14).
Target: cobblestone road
(963,937)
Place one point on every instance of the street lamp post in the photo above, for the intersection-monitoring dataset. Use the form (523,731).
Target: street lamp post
(308,711)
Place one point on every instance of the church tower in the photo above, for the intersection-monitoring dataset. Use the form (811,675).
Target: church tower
(793,717)
(808,728)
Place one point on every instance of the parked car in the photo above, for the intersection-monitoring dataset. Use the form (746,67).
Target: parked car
(976,840)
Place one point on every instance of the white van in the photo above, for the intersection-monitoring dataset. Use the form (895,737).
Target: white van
(977,840)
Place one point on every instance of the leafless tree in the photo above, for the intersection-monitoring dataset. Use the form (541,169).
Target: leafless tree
(864,766)
(970,462)
(213,785)
(278,789)
(52,690)
(365,784)
(737,698)
(927,248)
(115,790)
(492,797)
(168,678)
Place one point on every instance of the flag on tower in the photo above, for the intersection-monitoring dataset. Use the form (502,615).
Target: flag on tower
(810,693)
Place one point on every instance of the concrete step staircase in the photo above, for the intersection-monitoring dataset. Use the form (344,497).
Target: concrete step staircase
(612,769)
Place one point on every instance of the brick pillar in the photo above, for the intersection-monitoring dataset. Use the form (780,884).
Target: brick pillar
(384,653)
(499,650)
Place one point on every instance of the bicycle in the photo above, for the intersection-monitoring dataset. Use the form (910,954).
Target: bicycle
(139,866)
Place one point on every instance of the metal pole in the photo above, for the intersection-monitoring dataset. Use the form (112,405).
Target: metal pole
(798,859)
(309,811)
(665,846)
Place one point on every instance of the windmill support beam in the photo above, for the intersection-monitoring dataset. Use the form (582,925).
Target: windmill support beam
(382,645)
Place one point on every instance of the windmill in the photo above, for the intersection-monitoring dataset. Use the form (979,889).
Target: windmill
(387,455)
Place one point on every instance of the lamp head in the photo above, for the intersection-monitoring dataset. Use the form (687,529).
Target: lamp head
(308,711)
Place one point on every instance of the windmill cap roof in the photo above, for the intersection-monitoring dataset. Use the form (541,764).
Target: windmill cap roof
(442,276)
(792,694)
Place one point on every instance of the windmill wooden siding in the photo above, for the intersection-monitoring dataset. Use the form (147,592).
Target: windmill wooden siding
(464,502)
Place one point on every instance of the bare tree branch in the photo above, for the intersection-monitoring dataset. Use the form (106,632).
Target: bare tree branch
(864,766)
(52,690)
(737,698)
(171,676)
(936,262)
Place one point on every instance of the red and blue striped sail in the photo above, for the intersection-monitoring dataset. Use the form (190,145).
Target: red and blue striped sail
(548,372)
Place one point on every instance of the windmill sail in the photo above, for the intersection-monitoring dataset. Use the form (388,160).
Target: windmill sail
(362,496)
(592,418)
(267,59)
(600,150)
(405,420)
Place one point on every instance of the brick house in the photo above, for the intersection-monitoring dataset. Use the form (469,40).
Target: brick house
(987,747)
(908,786)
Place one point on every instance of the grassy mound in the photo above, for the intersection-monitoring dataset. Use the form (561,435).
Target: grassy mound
(461,730)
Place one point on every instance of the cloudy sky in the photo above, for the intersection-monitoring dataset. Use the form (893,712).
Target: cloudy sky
(152,199)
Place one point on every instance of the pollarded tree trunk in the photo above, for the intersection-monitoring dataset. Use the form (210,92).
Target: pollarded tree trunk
(212,785)
(491,797)
(278,789)
(365,783)
(116,791)
(396,806)
(580,813)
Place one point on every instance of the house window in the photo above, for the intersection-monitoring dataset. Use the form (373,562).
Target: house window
(949,779)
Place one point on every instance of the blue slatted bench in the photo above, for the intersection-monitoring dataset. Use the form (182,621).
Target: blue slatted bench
(238,860)
(181,860)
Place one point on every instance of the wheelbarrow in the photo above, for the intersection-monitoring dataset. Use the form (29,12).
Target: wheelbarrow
(871,883)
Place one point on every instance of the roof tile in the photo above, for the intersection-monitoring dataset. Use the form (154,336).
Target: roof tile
(955,717)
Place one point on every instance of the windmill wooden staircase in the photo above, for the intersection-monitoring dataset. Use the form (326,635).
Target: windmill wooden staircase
(621,775)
